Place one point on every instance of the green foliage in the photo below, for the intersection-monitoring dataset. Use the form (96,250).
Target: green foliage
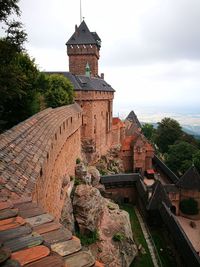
(19,96)
(7,8)
(88,239)
(168,132)
(111,207)
(118,237)
(77,181)
(196,160)
(179,157)
(148,131)
(189,206)
(60,91)
(78,160)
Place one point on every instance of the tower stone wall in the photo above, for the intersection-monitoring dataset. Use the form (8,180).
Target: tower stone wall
(80,55)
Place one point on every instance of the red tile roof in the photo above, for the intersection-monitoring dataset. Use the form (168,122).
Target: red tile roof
(17,236)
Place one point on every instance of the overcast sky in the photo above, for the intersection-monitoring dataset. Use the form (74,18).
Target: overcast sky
(150,48)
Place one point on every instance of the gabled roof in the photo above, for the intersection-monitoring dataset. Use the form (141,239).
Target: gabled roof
(84,83)
(82,35)
(158,196)
(133,118)
(190,180)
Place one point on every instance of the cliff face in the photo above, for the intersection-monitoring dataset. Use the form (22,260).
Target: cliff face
(115,246)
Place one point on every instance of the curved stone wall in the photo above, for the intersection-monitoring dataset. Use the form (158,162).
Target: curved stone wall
(38,154)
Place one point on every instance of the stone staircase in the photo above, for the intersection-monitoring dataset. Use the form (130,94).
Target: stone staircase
(31,237)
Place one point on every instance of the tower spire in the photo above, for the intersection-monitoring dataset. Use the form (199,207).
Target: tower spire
(81,18)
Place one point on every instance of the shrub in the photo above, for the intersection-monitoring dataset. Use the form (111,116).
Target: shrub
(78,160)
(77,181)
(189,206)
(88,239)
(118,237)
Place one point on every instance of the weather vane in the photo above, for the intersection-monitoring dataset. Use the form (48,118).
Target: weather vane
(81,18)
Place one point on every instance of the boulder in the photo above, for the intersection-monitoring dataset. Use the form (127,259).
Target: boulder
(80,170)
(115,252)
(95,175)
(67,217)
(115,246)
(88,207)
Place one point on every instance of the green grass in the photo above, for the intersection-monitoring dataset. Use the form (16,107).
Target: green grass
(88,239)
(162,244)
(142,260)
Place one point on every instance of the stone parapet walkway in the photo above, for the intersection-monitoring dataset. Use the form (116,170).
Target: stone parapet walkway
(150,244)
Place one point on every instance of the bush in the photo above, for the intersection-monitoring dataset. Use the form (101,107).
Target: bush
(78,160)
(88,239)
(118,237)
(189,206)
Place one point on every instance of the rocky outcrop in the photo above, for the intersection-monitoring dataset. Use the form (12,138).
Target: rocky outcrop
(111,163)
(95,175)
(67,217)
(82,174)
(115,247)
(88,207)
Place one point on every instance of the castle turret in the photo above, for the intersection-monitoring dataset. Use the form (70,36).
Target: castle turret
(83,48)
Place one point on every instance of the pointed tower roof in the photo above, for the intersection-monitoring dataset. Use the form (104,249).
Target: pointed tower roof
(82,35)
(190,180)
(158,196)
(133,118)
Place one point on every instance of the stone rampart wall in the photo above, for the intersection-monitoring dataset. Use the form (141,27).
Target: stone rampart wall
(38,155)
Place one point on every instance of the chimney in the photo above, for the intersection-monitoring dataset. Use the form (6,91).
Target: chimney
(102,76)
(76,30)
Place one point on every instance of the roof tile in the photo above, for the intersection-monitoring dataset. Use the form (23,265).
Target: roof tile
(30,254)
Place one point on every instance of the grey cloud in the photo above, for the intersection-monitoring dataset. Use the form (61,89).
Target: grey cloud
(171,32)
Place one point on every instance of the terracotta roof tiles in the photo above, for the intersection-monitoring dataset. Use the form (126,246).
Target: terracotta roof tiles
(23,245)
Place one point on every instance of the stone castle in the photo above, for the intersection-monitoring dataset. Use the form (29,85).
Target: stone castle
(45,147)
(38,158)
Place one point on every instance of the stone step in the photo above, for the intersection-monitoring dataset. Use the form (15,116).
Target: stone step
(50,261)
(40,219)
(47,227)
(56,236)
(80,259)
(11,223)
(13,233)
(30,255)
(68,247)
(8,213)
(23,242)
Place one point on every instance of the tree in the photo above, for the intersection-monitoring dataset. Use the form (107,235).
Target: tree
(19,97)
(189,206)
(179,157)
(168,132)
(148,131)
(196,160)
(60,91)
(7,8)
